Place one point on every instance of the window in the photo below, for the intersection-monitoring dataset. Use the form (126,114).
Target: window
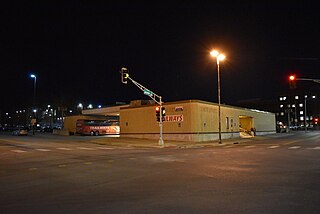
(301,118)
(296,97)
(301,105)
(282,113)
(288,105)
(227,122)
(293,105)
(280,98)
(284,98)
(281,106)
(301,112)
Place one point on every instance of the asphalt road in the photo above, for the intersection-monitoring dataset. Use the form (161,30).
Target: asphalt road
(49,174)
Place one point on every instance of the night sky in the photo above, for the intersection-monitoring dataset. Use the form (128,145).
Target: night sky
(77,48)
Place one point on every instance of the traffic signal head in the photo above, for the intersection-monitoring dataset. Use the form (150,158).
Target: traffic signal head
(158,113)
(124,75)
(316,121)
(163,109)
(292,81)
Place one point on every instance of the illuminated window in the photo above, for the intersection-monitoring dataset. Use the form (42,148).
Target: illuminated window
(293,105)
(300,105)
(301,112)
(281,106)
(280,98)
(282,113)
(301,118)
(288,105)
(296,97)
(284,98)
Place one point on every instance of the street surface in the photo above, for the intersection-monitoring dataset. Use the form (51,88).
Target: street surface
(58,174)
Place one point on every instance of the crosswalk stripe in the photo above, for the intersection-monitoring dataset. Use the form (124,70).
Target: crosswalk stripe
(250,146)
(18,151)
(100,147)
(86,148)
(294,147)
(273,147)
(66,149)
(317,147)
(43,150)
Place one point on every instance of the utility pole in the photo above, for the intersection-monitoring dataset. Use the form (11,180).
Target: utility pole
(158,99)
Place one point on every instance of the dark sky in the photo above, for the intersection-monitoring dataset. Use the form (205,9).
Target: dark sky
(77,48)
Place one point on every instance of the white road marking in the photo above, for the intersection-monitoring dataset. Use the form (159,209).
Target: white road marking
(66,149)
(229,146)
(273,147)
(317,147)
(250,146)
(18,151)
(294,147)
(100,147)
(85,148)
(43,150)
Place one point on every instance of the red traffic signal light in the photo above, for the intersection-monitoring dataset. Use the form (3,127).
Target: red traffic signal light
(292,81)
(292,77)
(158,113)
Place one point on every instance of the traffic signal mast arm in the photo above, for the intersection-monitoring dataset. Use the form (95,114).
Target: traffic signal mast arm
(125,76)
(313,80)
(147,92)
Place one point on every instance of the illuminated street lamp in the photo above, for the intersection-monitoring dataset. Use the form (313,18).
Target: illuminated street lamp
(305,110)
(34,89)
(219,58)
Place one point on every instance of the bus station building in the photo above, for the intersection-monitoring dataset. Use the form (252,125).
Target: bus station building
(194,120)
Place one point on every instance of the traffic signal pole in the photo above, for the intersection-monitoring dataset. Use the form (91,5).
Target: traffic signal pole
(158,99)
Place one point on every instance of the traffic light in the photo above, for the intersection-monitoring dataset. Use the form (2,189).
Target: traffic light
(316,121)
(124,75)
(163,112)
(158,113)
(292,81)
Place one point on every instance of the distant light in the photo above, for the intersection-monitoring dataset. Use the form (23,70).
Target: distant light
(7,113)
(313,97)
(80,105)
(90,106)
(33,76)
(34,110)
(49,106)
(99,106)
(70,111)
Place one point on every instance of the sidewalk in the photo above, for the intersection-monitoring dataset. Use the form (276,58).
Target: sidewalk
(150,143)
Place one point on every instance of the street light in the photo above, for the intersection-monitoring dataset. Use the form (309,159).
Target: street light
(34,89)
(219,58)
(305,110)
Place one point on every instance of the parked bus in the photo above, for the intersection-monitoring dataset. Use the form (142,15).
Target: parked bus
(97,127)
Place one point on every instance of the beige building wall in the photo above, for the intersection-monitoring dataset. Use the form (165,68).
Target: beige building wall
(192,120)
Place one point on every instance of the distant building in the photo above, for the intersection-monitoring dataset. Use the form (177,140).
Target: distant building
(299,108)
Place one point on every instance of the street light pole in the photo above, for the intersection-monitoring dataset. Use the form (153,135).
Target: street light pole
(34,110)
(34,89)
(219,57)
(305,110)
